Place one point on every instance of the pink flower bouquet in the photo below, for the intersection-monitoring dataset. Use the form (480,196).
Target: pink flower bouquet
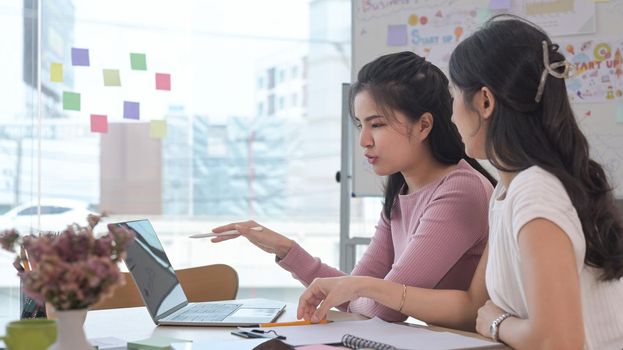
(72,269)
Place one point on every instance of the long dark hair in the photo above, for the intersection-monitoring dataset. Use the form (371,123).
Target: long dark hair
(407,83)
(506,56)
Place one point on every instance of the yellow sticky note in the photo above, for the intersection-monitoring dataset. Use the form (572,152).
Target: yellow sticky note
(111,77)
(158,129)
(56,72)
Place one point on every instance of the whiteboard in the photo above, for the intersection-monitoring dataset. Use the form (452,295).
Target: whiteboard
(587,31)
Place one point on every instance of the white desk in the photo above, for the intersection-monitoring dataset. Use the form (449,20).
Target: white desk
(134,324)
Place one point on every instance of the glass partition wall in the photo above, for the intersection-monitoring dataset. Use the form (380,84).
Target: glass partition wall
(192,114)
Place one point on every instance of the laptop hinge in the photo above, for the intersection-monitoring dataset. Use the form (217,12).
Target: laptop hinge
(172,311)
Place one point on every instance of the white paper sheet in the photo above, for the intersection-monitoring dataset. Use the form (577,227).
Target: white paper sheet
(400,336)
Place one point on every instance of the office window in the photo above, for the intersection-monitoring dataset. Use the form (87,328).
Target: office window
(305,67)
(295,72)
(271,104)
(168,111)
(304,96)
(271,77)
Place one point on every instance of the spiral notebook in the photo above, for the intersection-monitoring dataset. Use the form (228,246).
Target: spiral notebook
(353,342)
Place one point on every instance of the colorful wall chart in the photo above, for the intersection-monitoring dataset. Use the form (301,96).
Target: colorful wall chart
(599,64)
(433,33)
(559,17)
(432,28)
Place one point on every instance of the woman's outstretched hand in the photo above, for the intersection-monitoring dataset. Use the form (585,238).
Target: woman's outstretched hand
(325,293)
(264,238)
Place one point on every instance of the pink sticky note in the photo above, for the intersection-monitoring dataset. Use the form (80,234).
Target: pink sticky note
(163,81)
(99,123)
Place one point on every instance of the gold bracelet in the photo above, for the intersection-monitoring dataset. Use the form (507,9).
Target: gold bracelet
(404,296)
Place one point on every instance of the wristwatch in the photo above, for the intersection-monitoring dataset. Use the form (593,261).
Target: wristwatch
(495,325)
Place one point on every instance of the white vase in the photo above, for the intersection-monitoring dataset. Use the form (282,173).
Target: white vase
(70,332)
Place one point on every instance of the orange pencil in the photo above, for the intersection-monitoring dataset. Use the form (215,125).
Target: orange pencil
(293,323)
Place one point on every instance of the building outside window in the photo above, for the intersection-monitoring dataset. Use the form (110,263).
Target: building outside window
(271,104)
(295,72)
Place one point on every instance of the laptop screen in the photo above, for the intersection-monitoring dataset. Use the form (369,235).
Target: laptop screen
(151,269)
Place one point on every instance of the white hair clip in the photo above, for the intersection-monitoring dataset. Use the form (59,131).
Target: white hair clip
(550,68)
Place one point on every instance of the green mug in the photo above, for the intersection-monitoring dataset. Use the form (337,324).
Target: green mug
(31,334)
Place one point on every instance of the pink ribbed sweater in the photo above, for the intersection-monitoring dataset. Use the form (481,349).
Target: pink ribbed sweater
(434,240)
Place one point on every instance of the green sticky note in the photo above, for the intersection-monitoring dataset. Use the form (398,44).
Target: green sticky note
(71,101)
(138,61)
(158,129)
(56,72)
(111,77)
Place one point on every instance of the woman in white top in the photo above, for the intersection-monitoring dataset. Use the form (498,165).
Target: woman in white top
(554,265)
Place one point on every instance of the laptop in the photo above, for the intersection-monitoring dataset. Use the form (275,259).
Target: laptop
(164,297)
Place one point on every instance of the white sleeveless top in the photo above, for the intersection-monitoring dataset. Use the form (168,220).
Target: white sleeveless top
(536,193)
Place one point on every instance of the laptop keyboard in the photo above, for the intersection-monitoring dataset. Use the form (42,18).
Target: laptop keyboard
(206,312)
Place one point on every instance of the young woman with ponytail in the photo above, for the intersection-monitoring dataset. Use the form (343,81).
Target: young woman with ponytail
(433,227)
(552,276)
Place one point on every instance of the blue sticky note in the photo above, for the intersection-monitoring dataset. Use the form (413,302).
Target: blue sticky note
(499,4)
(131,110)
(79,57)
(397,35)
(619,112)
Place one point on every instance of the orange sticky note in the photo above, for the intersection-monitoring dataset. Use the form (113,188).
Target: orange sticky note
(99,123)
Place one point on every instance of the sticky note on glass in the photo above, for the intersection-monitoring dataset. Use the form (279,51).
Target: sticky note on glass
(138,61)
(56,72)
(163,81)
(131,110)
(397,35)
(499,4)
(158,129)
(99,123)
(79,57)
(111,77)
(71,101)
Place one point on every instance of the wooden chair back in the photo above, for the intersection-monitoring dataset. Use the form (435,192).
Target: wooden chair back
(202,283)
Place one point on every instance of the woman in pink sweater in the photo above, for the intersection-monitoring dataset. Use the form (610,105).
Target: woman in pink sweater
(433,227)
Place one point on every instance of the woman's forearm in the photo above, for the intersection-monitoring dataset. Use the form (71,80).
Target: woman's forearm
(522,334)
(448,308)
